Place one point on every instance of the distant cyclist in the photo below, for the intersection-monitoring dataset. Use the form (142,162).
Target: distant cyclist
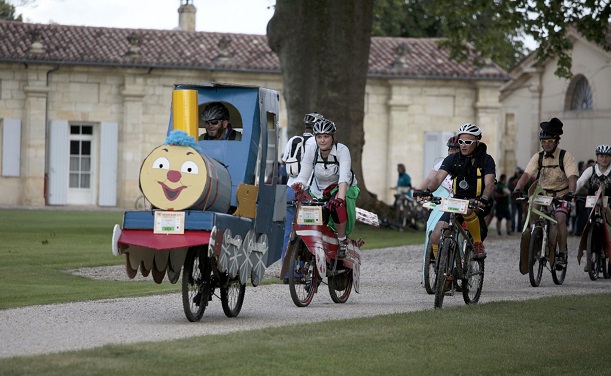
(557,174)
(473,172)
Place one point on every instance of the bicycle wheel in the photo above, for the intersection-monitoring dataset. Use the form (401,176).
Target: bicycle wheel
(473,280)
(593,260)
(340,286)
(196,279)
(302,275)
(142,203)
(535,257)
(444,271)
(232,296)
(429,269)
(558,275)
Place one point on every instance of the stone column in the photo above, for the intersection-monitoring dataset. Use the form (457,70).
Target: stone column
(131,133)
(34,136)
(487,115)
(399,140)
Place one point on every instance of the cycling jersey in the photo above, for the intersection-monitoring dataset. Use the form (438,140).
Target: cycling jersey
(596,178)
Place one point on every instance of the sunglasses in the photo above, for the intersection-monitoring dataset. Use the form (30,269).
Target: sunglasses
(466,142)
(213,122)
(548,141)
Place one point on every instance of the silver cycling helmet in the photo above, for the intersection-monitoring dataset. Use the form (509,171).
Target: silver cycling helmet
(323,125)
(215,111)
(471,129)
(603,149)
(310,119)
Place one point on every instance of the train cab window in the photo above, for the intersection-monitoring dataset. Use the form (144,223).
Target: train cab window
(219,121)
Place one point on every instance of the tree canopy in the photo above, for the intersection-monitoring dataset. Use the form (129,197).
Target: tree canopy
(492,34)
(496,28)
(7,12)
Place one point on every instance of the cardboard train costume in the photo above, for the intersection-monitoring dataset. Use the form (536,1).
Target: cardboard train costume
(218,212)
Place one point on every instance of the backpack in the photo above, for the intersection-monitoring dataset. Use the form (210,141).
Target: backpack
(296,152)
(560,160)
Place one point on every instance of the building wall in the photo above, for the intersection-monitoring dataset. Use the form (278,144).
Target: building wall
(538,95)
(397,113)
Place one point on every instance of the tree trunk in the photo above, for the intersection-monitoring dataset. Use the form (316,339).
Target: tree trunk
(323,48)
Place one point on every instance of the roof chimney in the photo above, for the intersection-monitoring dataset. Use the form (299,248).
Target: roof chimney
(186,15)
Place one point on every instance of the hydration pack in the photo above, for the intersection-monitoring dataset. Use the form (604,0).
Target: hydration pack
(296,152)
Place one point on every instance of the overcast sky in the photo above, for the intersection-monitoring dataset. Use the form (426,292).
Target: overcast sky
(231,16)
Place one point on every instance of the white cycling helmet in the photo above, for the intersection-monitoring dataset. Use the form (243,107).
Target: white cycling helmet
(471,129)
(603,149)
(310,119)
(323,125)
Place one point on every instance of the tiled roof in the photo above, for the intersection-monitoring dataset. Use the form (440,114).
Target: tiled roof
(178,49)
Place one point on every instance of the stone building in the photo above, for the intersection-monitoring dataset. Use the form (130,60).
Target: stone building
(81,107)
(535,94)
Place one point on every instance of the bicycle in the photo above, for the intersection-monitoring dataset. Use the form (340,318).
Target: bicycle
(593,237)
(312,255)
(429,262)
(543,228)
(142,203)
(408,214)
(455,260)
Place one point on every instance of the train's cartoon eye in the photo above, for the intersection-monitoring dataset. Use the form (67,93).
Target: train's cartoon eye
(189,167)
(162,163)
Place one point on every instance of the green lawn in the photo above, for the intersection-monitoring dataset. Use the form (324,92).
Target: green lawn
(37,247)
(565,335)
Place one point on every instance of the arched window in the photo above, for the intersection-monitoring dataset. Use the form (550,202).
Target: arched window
(579,95)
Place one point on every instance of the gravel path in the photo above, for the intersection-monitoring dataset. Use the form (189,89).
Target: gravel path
(390,283)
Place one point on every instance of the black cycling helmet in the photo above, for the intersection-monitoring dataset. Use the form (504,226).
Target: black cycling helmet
(603,149)
(453,142)
(215,111)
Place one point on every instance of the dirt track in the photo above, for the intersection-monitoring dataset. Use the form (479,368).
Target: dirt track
(390,283)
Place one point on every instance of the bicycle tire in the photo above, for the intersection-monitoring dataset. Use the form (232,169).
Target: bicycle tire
(303,264)
(444,270)
(232,296)
(196,283)
(535,257)
(430,277)
(559,275)
(592,253)
(473,281)
(340,286)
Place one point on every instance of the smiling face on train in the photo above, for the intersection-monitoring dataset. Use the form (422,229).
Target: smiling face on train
(172,177)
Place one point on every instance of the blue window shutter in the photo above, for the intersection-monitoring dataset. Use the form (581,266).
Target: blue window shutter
(11,147)
(109,146)
(59,154)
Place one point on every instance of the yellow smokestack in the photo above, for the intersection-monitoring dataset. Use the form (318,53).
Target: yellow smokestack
(184,111)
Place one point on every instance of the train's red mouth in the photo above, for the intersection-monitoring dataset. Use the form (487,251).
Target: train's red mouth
(171,193)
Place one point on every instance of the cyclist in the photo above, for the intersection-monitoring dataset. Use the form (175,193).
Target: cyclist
(308,142)
(598,175)
(557,174)
(329,177)
(453,147)
(473,172)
